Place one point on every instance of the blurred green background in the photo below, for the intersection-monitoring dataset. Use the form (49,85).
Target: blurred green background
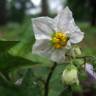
(16,39)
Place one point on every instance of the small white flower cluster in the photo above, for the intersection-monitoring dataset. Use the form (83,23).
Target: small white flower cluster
(54,37)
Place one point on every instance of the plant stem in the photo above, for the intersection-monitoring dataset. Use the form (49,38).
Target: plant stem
(48,79)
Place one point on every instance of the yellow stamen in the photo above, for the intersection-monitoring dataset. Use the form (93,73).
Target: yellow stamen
(57,46)
(55,40)
(59,40)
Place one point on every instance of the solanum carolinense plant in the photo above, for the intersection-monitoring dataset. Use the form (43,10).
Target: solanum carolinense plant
(56,39)
(48,60)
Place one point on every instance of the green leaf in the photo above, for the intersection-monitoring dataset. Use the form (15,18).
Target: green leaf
(5,45)
(25,45)
(9,62)
(31,85)
(56,85)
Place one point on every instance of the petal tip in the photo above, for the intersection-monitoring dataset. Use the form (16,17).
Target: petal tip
(67,9)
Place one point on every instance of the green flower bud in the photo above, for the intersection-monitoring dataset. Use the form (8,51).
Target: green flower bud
(70,75)
(75,51)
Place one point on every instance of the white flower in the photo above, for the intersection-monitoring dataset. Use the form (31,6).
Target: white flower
(70,75)
(54,36)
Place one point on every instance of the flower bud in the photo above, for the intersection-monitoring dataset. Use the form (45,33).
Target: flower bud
(75,51)
(70,75)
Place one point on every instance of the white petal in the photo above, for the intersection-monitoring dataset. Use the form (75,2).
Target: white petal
(42,27)
(42,47)
(58,56)
(68,46)
(76,37)
(63,20)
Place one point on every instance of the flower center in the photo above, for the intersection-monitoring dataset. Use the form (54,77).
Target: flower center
(59,40)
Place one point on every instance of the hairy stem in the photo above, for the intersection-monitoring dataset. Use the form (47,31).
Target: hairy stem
(48,79)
